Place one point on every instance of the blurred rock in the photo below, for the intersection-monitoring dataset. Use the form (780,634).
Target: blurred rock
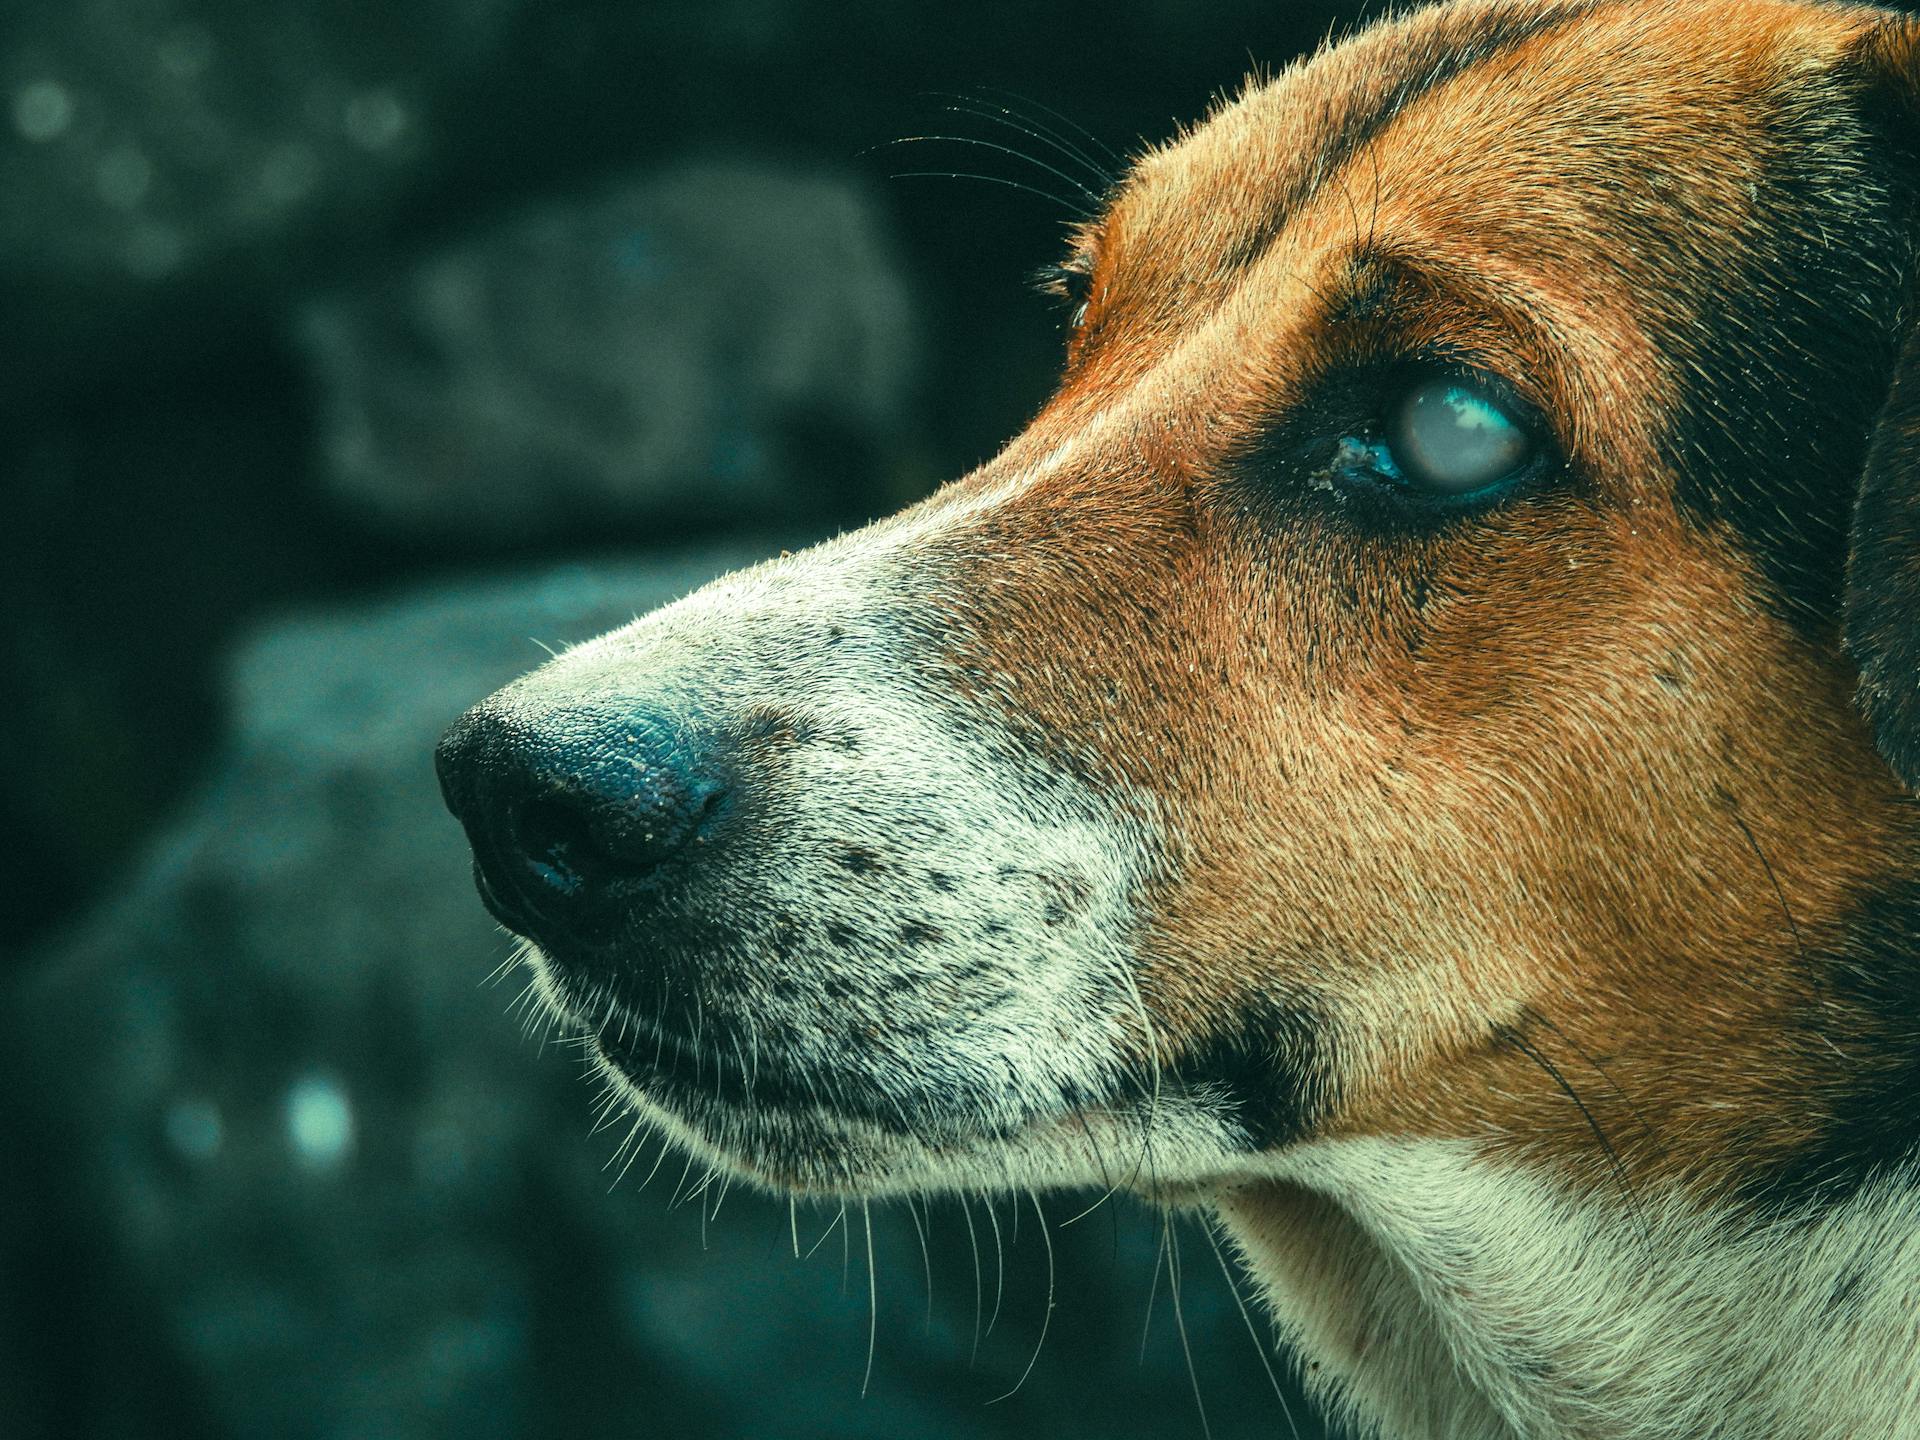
(350,1199)
(141,139)
(303,1121)
(716,343)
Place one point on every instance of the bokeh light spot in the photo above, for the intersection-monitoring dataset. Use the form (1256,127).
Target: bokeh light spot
(375,120)
(42,110)
(195,1128)
(320,1125)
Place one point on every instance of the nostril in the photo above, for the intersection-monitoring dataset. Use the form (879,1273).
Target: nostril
(557,845)
(709,808)
(573,843)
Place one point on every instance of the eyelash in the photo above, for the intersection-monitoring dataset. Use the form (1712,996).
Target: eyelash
(1070,285)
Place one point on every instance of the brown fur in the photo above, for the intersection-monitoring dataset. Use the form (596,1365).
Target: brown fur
(1563,775)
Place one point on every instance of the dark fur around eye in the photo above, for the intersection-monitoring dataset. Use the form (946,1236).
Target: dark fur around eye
(1318,459)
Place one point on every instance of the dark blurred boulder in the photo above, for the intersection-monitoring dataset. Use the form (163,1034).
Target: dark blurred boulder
(144,139)
(718,342)
(301,1118)
(335,1192)
(166,166)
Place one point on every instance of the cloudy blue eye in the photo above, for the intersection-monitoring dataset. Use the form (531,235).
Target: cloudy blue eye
(1453,437)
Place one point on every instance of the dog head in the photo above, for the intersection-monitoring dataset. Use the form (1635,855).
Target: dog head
(1410,643)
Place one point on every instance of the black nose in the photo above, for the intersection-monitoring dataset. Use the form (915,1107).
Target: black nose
(571,814)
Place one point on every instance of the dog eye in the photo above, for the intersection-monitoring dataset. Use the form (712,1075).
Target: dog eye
(1454,436)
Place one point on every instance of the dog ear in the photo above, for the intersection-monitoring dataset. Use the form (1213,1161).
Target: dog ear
(1882,614)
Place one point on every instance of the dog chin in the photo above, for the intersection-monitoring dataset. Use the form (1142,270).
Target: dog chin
(1171,1150)
(796,1153)
(784,1126)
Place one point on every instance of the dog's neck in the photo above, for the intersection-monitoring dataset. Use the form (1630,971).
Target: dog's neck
(1713,1236)
(1435,1294)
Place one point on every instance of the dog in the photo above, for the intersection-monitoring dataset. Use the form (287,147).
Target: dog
(1412,750)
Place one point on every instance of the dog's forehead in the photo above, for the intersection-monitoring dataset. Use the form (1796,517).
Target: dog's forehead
(1470,111)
